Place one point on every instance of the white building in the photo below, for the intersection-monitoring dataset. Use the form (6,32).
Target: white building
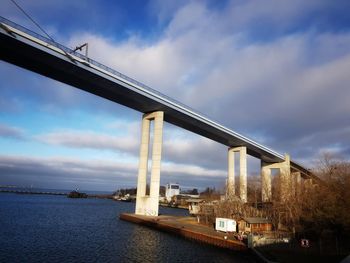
(225,225)
(171,190)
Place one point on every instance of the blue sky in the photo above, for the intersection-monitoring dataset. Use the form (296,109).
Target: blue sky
(275,71)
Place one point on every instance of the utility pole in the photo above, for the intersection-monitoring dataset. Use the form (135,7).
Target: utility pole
(81,48)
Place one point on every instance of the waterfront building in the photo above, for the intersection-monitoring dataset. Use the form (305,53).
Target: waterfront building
(225,224)
(254,224)
(171,190)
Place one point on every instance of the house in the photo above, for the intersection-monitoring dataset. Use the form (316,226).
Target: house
(254,224)
(225,225)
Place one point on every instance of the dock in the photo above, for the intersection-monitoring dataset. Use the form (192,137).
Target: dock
(189,228)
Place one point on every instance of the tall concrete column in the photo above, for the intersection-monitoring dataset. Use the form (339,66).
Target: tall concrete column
(242,173)
(148,205)
(156,159)
(143,161)
(230,191)
(266,182)
(296,179)
(308,184)
(285,179)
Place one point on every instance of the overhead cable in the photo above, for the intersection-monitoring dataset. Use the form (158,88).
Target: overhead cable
(31,19)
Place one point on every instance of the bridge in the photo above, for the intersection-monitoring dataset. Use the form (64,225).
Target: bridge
(29,50)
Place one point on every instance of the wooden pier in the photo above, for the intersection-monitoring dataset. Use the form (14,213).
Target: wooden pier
(187,227)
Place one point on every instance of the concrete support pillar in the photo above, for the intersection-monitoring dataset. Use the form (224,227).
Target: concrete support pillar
(156,157)
(296,181)
(242,173)
(284,176)
(285,179)
(308,184)
(148,205)
(230,191)
(143,161)
(266,182)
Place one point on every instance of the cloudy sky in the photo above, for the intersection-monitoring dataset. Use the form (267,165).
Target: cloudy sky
(275,71)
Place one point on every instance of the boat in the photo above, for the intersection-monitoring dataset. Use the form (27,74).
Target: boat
(126,198)
(76,194)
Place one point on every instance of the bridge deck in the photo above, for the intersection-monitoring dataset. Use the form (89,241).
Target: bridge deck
(24,48)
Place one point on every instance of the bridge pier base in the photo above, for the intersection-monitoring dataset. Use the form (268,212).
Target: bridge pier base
(230,192)
(148,204)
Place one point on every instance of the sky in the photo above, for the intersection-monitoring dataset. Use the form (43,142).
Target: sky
(276,71)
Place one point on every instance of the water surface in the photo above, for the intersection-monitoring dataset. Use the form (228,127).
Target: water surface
(43,228)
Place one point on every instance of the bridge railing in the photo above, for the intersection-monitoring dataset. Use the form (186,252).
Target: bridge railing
(99,65)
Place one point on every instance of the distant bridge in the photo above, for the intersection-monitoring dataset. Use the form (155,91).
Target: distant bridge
(29,50)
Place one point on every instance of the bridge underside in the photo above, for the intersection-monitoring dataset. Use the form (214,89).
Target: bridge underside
(36,57)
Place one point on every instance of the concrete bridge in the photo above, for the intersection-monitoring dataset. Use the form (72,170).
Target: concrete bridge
(29,50)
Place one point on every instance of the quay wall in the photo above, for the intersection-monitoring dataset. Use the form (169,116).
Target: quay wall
(185,231)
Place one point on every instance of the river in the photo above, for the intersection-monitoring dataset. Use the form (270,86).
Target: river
(44,228)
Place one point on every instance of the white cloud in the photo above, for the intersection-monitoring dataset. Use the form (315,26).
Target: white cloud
(89,139)
(192,170)
(7,131)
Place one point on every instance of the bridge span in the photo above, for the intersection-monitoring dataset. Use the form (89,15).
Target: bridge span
(29,50)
